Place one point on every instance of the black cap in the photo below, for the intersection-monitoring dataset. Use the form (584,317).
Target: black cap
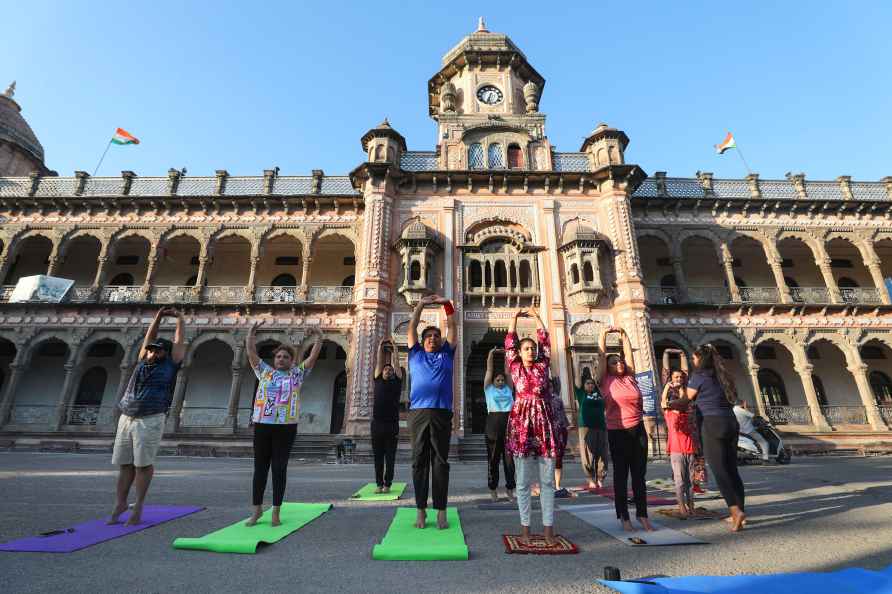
(161,343)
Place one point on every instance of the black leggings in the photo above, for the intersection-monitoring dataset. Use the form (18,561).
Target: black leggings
(628,449)
(385,439)
(272,443)
(496,452)
(720,450)
(431,431)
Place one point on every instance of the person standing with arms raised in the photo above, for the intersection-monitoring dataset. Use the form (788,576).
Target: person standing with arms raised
(385,428)
(536,437)
(275,415)
(624,409)
(430,408)
(499,393)
(592,428)
(144,409)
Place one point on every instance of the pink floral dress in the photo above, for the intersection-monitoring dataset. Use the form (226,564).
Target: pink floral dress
(534,427)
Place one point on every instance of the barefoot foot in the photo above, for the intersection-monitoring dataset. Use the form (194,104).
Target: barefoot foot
(442,524)
(274,519)
(255,516)
(509,493)
(135,516)
(421,518)
(548,533)
(525,534)
(592,484)
(738,522)
(494,495)
(379,490)
(627,525)
(645,523)
(115,517)
(385,489)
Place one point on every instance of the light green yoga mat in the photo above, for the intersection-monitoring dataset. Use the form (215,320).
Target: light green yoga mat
(367,493)
(239,538)
(405,542)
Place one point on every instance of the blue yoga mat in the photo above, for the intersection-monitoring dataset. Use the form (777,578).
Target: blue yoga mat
(845,581)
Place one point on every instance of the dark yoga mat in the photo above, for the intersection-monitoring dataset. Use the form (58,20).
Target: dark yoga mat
(93,532)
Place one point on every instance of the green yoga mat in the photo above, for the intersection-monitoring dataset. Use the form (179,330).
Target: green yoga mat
(239,538)
(367,493)
(405,542)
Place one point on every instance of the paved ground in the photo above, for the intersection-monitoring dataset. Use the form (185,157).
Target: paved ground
(816,514)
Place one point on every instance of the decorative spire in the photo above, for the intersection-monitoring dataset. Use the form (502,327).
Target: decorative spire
(10,91)
(481,26)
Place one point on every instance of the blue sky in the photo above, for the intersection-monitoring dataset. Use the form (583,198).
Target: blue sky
(804,86)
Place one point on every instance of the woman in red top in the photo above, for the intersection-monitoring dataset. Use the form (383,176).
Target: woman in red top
(623,407)
(681,443)
(535,434)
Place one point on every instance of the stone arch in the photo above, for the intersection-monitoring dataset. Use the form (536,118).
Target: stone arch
(175,232)
(143,233)
(344,232)
(794,348)
(74,234)
(585,332)
(836,340)
(706,234)
(204,337)
(870,336)
(808,239)
(658,233)
(46,336)
(99,336)
(294,233)
(232,232)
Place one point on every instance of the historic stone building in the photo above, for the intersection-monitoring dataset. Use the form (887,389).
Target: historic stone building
(787,277)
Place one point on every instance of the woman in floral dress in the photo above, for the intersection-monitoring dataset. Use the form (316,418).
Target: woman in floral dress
(536,436)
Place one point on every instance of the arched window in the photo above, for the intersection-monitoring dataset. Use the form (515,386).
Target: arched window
(415,271)
(495,157)
(772,387)
(284,280)
(845,282)
(475,156)
(574,274)
(92,387)
(668,281)
(379,152)
(349,281)
(882,388)
(526,275)
(125,279)
(515,157)
(338,403)
(819,390)
(588,275)
(501,274)
(476,274)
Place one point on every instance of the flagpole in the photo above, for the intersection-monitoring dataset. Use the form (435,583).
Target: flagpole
(739,154)
(102,158)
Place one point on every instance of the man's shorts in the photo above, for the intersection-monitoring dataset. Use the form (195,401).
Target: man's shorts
(138,439)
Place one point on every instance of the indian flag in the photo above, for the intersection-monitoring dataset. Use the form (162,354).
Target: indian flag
(728,143)
(122,136)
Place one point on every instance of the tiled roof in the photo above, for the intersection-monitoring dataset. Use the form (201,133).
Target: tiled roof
(571,162)
(419,161)
(770,189)
(730,188)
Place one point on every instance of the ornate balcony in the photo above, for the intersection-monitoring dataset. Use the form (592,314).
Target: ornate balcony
(279,295)
(845,415)
(664,295)
(709,295)
(175,294)
(223,295)
(866,295)
(810,294)
(789,415)
(759,295)
(491,295)
(886,413)
(333,295)
(122,294)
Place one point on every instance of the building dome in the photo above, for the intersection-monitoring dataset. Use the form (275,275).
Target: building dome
(578,231)
(417,230)
(20,151)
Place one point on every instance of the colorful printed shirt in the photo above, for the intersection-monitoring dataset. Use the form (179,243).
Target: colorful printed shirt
(278,394)
(534,427)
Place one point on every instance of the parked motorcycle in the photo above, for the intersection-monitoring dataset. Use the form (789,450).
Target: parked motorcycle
(748,449)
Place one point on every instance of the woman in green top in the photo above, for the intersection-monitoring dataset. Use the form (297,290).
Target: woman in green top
(592,429)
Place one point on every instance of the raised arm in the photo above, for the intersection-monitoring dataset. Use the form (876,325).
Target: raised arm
(628,355)
(664,398)
(683,360)
(487,379)
(152,332)
(449,310)
(511,340)
(508,381)
(311,359)
(412,331)
(665,373)
(543,340)
(577,373)
(601,357)
(179,339)
(380,359)
(251,345)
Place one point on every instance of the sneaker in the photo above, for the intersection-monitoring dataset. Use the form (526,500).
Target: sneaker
(562,493)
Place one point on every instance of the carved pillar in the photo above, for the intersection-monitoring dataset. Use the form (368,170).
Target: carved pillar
(176,406)
(728,265)
(782,288)
(17,370)
(249,289)
(872,261)
(235,388)
(4,266)
(200,275)
(101,268)
(753,370)
(150,272)
(858,369)
(53,266)
(305,273)
(71,371)
(811,396)
(823,262)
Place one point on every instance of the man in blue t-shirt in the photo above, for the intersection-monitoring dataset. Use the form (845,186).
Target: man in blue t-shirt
(430,408)
(143,412)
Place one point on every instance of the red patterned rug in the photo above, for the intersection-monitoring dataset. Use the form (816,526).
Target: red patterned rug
(537,546)
(651,499)
(700,513)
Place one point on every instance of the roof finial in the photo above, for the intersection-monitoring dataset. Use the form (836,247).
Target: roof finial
(481,26)
(10,91)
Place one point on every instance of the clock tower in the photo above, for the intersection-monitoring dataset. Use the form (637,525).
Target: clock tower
(485,99)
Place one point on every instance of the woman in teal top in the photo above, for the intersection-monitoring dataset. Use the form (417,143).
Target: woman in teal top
(592,429)
(499,394)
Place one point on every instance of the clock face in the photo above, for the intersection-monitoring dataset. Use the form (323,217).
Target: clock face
(489,95)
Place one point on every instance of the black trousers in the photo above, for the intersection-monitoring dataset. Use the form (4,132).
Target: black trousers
(719,435)
(496,431)
(272,444)
(430,430)
(385,438)
(628,448)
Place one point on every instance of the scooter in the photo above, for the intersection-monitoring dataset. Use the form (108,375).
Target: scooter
(748,449)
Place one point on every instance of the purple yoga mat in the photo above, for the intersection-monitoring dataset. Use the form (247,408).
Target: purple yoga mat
(96,531)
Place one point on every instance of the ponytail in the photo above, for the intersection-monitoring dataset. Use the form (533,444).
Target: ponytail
(710,359)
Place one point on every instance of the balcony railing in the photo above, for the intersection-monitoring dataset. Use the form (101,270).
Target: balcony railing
(228,295)
(789,415)
(665,295)
(845,415)
(886,413)
(122,294)
(860,295)
(204,417)
(759,295)
(709,295)
(279,295)
(90,415)
(330,294)
(175,294)
(810,294)
(35,414)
